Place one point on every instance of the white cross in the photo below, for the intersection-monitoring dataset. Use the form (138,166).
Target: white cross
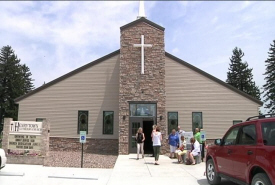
(142,45)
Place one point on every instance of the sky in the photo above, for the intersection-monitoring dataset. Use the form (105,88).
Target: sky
(55,37)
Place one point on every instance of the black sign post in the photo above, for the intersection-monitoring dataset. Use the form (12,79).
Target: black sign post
(82,155)
(82,140)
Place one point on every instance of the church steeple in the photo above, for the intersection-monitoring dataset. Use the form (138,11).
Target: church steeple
(141,10)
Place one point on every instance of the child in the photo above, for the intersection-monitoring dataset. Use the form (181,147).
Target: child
(181,150)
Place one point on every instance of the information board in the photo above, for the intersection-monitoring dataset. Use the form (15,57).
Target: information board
(24,142)
(25,135)
(188,136)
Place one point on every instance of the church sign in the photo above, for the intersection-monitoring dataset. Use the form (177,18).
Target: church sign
(25,135)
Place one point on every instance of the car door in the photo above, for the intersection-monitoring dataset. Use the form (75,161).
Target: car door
(223,153)
(243,155)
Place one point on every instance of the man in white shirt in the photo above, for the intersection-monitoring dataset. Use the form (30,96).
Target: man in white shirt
(196,150)
(179,132)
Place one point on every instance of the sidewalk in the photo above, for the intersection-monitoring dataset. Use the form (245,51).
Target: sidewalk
(128,170)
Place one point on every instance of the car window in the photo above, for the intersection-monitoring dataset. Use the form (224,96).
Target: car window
(268,132)
(247,135)
(230,138)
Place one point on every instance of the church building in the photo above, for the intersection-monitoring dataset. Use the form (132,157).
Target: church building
(138,85)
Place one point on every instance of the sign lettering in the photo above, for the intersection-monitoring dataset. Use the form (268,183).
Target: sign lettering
(24,142)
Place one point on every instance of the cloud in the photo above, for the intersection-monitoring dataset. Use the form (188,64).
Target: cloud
(214,20)
(175,51)
(58,37)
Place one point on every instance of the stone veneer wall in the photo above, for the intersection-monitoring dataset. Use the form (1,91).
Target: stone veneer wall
(135,86)
(98,146)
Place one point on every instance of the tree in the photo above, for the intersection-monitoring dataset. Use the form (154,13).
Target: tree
(15,80)
(27,80)
(240,75)
(269,86)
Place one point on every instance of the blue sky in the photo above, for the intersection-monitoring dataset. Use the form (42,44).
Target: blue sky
(54,38)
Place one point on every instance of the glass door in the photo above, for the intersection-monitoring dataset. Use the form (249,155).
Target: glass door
(135,123)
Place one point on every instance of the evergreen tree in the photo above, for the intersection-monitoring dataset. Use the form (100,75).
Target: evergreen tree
(269,86)
(15,81)
(27,80)
(240,75)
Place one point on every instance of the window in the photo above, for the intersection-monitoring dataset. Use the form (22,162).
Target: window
(144,110)
(172,121)
(236,122)
(39,119)
(247,135)
(196,120)
(268,132)
(231,137)
(83,116)
(108,122)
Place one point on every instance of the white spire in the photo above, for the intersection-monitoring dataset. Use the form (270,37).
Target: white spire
(141,10)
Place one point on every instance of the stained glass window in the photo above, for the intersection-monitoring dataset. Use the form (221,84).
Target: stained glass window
(108,122)
(197,120)
(83,121)
(172,121)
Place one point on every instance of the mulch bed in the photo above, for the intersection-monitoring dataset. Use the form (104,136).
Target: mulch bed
(73,159)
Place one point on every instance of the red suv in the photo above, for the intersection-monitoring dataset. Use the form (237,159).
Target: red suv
(246,153)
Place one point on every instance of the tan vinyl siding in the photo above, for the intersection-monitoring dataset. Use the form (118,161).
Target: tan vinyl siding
(188,91)
(94,89)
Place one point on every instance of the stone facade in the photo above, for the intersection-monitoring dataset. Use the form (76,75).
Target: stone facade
(134,86)
(98,146)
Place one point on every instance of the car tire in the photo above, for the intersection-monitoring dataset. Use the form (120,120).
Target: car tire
(211,173)
(260,179)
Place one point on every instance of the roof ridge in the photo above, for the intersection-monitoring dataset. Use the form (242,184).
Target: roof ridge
(142,19)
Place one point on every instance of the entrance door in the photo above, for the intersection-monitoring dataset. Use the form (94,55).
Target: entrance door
(147,129)
(147,125)
(135,123)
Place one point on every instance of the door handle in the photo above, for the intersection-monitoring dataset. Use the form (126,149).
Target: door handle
(249,152)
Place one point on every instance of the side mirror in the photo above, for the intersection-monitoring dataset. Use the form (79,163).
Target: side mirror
(218,142)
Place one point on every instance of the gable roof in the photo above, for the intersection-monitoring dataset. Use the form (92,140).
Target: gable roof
(67,75)
(142,19)
(214,78)
(118,52)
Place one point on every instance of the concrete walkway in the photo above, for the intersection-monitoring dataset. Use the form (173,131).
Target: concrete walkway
(129,171)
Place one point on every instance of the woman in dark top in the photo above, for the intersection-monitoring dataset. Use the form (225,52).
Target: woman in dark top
(140,142)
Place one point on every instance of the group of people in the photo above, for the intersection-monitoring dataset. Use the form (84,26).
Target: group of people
(177,149)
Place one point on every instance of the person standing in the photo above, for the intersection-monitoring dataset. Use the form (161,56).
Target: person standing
(173,141)
(153,131)
(140,142)
(157,138)
(179,132)
(197,135)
